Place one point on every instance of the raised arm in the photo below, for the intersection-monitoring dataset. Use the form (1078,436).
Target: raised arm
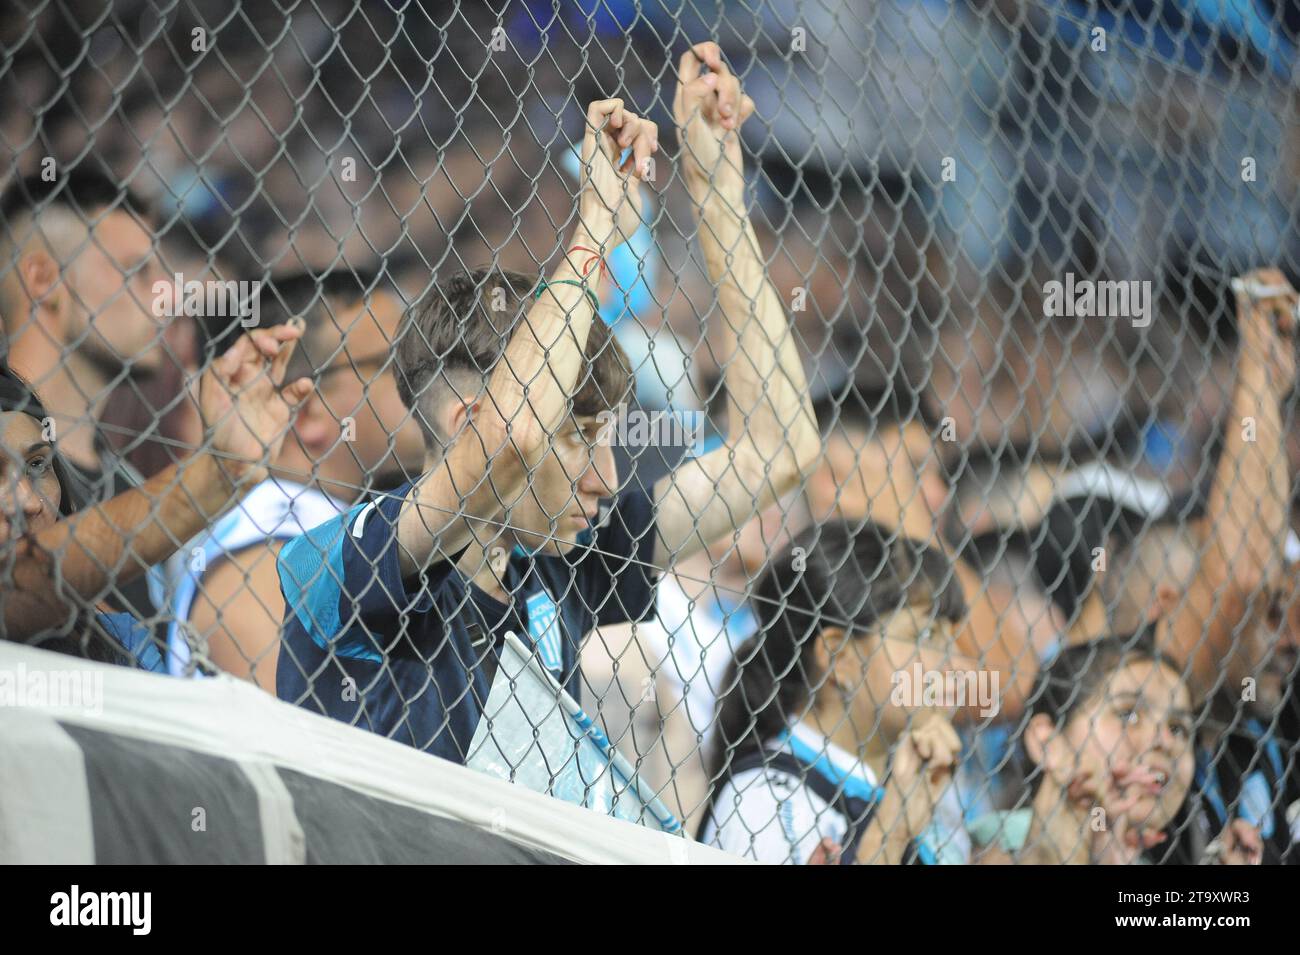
(1246,519)
(500,435)
(247,414)
(772,440)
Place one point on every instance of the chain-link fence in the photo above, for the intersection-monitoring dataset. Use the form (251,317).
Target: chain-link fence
(833,432)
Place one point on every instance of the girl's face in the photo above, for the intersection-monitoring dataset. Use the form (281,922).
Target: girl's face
(1141,717)
(29,488)
(887,673)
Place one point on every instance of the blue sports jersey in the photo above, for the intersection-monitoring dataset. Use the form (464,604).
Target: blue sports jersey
(402,658)
(135,638)
(1243,775)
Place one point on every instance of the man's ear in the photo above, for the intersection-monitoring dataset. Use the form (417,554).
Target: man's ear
(832,654)
(460,414)
(39,274)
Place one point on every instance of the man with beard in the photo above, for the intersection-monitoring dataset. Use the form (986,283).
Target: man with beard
(78,262)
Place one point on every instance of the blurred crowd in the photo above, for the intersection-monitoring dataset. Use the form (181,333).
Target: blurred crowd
(1101,514)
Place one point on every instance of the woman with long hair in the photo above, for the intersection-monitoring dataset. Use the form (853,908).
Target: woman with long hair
(819,755)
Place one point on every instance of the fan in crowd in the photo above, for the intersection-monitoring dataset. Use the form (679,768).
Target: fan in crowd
(360,540)
(817,752)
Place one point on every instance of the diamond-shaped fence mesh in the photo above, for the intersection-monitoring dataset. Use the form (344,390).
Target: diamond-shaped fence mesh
(868,435)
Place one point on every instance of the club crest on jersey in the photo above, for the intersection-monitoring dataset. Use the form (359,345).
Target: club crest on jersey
(544,628)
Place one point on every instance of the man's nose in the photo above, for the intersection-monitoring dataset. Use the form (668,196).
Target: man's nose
(601,476)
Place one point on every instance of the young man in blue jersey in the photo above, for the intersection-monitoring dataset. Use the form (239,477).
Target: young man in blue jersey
(396,610)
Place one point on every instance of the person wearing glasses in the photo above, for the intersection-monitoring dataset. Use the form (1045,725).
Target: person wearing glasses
(351,435)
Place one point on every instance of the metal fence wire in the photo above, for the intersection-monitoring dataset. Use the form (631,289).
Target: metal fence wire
(836,432)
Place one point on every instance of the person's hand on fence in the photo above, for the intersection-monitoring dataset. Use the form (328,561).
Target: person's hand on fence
(921,769)
(709,110)
(828,852)
(1120,840)
(1247,513)
(243,406)
(610,205)
(1239,844)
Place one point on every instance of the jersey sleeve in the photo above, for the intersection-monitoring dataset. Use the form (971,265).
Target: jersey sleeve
(772,817)
(135,639)
(619,579)
(343,585)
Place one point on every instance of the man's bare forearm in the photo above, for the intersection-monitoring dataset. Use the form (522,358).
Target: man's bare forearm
(1247,508)
(770,408)
(1245,526)
(546,354)
(113,542)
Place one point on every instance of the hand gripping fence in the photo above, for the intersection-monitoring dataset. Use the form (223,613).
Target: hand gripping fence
(828,431)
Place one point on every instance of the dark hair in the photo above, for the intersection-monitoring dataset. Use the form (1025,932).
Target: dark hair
(285,296)
(894,404)
(462,328)
(17,396)
(84,638)
(83,190)
(1067,537)
(829,575)
(1076,673)
(317,299)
